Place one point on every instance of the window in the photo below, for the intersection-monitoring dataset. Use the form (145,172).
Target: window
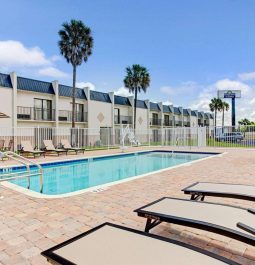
(117,116)
(166,120)
(155,120)
(42,109)
(79,112)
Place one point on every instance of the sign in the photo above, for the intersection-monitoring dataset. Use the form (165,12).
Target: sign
(229,93)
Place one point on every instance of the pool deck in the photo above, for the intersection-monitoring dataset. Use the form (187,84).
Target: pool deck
(29,225)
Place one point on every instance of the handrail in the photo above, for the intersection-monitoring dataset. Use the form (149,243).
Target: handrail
(19,158)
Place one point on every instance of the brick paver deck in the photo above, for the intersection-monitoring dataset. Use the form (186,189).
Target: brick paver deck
(29,225)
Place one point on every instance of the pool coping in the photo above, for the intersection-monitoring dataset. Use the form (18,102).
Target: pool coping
(103,187)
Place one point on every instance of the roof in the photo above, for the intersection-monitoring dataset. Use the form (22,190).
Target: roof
(166,109)
(177,111)
(5,80)
(121,100)
(140,104)
(66,91)
(34,85)
(185,112)
(200,115)
(100,96)
(193,113)
(154,106)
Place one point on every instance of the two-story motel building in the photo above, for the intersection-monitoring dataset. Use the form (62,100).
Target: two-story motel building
(32,103)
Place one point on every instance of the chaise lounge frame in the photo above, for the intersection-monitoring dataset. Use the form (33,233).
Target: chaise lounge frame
(56,259)
(154,219)
(200,194)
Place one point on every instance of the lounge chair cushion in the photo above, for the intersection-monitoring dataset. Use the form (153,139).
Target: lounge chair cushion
(221,189)
(115,245)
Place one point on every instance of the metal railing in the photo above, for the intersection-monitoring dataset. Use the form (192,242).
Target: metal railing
(88,138)
(33,113)
(168,123)
(26,162)
(155,122)
(66,115)
(120,119)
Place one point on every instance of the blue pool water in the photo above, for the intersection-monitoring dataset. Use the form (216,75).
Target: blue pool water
(61,178)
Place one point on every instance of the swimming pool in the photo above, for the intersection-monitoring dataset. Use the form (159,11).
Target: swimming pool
(69,176)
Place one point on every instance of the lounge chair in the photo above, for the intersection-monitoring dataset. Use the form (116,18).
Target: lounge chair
(234,222)
(199,190)
(67,146)
(49,147)
(2,142)
(27,149)
(110,244)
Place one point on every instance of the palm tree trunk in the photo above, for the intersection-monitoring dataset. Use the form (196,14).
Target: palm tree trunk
(73,96)
(135,108)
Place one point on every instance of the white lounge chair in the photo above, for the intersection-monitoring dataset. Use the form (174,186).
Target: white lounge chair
(49,147)
(234,222)
(26,148)
(110,244)
(199,190)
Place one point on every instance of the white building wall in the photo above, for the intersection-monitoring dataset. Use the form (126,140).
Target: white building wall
(26,98)
(6,106)
(141,119)
(100,114)
(193,121)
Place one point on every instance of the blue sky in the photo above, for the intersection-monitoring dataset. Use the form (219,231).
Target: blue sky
(191,47)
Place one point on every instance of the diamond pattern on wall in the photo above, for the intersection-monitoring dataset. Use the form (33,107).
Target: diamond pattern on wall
(140,120)
(100,117)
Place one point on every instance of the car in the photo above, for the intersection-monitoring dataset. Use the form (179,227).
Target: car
(230,137)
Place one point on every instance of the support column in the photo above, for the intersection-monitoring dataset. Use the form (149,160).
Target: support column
(13,76)
(233,111)
(55,87)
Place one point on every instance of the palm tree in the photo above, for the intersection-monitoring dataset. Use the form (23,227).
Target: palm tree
(224,107)
(215,106)
(136,80)
(75,45)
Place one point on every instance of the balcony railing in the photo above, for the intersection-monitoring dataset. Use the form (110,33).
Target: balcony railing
(168,123)
(178,123)
(186,124)
(32,113)
(122,119)
(155,122)
(66,115)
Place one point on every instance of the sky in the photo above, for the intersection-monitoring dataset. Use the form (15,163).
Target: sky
(191,48)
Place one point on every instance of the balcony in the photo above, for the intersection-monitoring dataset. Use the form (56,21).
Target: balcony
(66,115)
(155,122)
(37,114)
(178,123)
(122,119)
(168,123)
(186,124)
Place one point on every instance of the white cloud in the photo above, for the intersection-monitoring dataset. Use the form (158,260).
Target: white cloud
(86,84)
(15,54)
(247,76)
(168,102)
(122,91)
(52,72)
(227,84)
(170,91)
(252,101)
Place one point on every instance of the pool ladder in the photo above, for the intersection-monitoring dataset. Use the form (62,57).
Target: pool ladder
(18,175)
